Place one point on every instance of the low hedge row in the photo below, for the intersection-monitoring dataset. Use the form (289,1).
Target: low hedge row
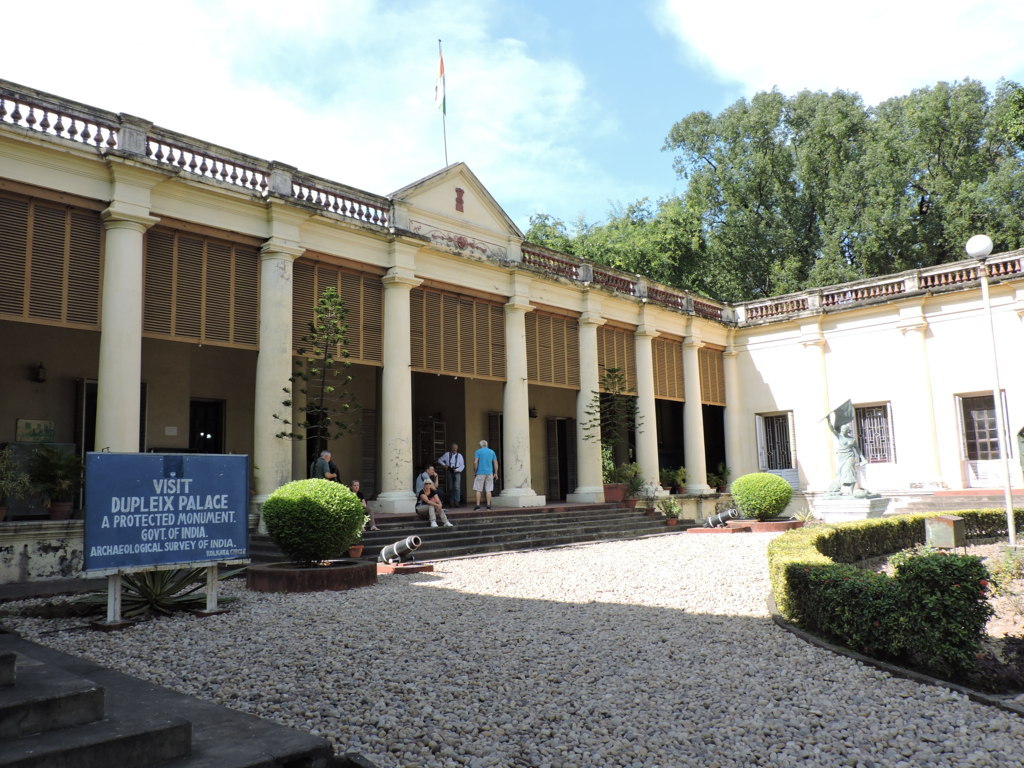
(930,615)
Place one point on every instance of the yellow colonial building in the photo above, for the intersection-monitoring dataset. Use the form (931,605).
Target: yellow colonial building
(154,290)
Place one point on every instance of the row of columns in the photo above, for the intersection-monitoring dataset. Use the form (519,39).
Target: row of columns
(120,371)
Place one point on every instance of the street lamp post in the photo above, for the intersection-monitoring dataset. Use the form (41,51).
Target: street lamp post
(979,247)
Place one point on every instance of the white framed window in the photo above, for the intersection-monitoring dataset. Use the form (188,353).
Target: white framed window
(979,438)
(775,444)
(874,433)
(979,426)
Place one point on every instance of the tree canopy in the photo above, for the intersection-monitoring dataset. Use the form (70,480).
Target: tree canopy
(786,193)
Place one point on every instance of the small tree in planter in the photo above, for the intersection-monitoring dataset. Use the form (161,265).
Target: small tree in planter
(328,404)
(761,495)
(14,482)
(314,520)
(611,414)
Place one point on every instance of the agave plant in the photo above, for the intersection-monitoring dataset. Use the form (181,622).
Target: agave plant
(161,592)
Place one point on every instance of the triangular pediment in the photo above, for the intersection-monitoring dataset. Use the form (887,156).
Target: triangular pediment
(452,204)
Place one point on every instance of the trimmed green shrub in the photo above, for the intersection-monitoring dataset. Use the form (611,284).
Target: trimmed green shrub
(314,520)
(930,615)
(944,606)
(761,495)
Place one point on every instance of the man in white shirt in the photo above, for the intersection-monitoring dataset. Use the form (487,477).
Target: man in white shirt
(454,464)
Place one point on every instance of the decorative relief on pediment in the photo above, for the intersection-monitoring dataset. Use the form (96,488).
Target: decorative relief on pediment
(456,241)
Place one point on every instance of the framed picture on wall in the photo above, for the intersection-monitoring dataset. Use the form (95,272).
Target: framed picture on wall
(34,431)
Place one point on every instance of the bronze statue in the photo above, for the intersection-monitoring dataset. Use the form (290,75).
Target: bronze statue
(848,452)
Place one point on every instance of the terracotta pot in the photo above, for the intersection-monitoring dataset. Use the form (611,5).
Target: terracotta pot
(356,550)
(672,521)
(61,510)
(630,503)
(614,492)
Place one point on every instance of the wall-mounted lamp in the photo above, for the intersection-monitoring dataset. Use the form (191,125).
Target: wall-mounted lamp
(533,413)
(40,374)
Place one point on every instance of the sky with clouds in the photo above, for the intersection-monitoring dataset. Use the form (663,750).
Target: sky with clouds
(559,106)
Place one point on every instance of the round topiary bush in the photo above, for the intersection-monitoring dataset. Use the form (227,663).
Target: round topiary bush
(314,520)
(761,495)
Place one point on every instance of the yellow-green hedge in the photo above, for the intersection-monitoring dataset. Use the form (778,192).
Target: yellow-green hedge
(814,585)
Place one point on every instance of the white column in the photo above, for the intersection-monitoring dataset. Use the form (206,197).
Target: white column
(516,490)
(272,455)
(590,488)
(646,415)
(818,466)
(917,389)
(120,356)
(735,458)
(693,421)
(396,396)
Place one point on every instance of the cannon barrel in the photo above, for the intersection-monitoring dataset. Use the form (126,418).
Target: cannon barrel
(718,521)
(397,552)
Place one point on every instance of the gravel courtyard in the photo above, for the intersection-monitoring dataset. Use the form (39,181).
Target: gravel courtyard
(656,652)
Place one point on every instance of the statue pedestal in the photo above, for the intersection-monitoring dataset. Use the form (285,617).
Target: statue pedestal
(839,509)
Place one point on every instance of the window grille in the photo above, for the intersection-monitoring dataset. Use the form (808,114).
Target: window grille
(778,452)
(981,436)
(874,434)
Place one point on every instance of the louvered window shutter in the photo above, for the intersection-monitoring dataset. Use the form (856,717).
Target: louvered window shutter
(552,350)
(14,231)
(50,262)
(616,349)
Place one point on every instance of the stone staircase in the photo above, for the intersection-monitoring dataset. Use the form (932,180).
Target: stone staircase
(948,501)
(58,711)
(504,530)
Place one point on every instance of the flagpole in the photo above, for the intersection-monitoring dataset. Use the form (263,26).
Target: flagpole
(444,99)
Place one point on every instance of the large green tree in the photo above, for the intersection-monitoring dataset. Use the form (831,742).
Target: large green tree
(785,193)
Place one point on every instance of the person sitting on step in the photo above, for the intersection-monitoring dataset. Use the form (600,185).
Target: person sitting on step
(428,504)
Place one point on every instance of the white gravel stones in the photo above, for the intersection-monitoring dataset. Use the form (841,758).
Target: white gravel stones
(657,652)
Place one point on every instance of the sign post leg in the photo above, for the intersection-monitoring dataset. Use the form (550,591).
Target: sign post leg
(114,598)
(114,620)
(212,582)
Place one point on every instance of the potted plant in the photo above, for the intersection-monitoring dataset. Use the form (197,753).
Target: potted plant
(719,480)
(629,475)
(671,509)
(648,495)
(57,476)
(355,549)
(667,477)
(679,480)
(14,482)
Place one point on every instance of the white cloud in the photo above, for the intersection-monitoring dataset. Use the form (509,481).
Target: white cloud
(342,90)
(879,48)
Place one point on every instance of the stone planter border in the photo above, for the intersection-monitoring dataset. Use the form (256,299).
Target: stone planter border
(287,577)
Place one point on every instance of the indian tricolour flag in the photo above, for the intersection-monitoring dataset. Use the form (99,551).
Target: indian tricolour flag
(439,88)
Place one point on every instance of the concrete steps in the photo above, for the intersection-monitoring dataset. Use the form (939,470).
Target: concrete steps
(478,533)
(948,501)
(58,711)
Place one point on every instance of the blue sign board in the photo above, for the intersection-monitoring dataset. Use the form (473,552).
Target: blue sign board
(146,510)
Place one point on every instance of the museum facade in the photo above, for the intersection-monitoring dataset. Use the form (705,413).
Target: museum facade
(155,289)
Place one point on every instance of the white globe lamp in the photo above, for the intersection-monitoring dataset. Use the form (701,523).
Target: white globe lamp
(979,246)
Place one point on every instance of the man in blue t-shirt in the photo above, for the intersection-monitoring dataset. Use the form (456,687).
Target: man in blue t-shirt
(485,468)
